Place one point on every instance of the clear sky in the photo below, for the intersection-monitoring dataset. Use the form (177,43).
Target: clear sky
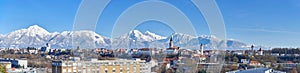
(263,22)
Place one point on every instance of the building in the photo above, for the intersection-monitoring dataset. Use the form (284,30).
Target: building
(172,53)
(288,65)
(143,54)
(101,66)
(238,53)
(32,50)
(15,63)
(46,48)
(27,70)
(199,55)
(7,65)
(255,63)
(245,61)
(260,52)
(256,70)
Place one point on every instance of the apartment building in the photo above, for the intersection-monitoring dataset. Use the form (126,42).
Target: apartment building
(101,66)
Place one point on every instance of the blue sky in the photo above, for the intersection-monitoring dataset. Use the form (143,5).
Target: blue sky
(263,22)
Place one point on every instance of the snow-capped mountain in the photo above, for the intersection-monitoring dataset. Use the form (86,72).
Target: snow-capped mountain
(135,38)
(82,38)
(1,35)
(136,35)
(1,38)
(35,36)
(154,36)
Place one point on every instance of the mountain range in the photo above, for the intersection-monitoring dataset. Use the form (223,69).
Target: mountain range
(36,36)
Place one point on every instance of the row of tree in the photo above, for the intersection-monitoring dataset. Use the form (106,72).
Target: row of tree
(286,50)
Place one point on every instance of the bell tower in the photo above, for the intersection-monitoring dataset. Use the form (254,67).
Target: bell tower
(171,42)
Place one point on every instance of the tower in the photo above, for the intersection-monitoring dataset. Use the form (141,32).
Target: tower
(252,50)
(171,42)
(48,47)
(260,51)
(201,47)
(252,46)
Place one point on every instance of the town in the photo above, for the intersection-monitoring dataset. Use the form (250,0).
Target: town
(147,60)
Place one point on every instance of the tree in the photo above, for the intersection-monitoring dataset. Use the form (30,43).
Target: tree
(235,59)
(280,67)
(202,71)
(2,69)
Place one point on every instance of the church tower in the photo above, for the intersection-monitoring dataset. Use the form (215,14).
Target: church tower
(260,52)
(201,48)
(48,47)
(171,42)
(252,50)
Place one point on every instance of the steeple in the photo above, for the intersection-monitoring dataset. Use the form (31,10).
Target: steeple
(252,50)
(201,48)
(252,46)
(260,51)
(171,42)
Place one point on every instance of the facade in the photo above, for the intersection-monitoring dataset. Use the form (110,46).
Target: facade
(143,54)
(255,63)
(245,61)
(7,65)
(15,62)
(260,52)
(46,48)
(101,66)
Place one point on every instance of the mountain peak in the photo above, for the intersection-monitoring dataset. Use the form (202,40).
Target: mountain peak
(153,35)
(139,36)
(36,28)
(148,31)
(136,32)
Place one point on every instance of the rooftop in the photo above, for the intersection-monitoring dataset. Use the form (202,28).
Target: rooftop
(256,70)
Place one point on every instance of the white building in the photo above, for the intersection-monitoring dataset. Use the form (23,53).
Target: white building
(102,66)
(46,49)
(260,52)
(32,51)
(245,61)
(23,63)
(15,62)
